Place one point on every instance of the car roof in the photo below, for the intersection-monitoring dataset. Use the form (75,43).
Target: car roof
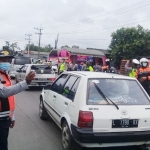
(37,64)
(89,74)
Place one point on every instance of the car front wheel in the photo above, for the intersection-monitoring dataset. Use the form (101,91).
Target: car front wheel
(68,143)
(42,112)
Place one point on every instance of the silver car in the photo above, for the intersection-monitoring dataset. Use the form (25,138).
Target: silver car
(44,74)
(17,63)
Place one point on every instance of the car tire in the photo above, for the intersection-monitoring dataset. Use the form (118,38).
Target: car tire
(42,112)
(68,143)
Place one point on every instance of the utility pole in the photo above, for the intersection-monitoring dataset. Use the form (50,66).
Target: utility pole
(56,41)
(29,42)
(40,29)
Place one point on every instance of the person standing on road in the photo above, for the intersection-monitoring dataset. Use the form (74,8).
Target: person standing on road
(89,67)
(62,66)
(97,68)
(143,74)
(134,66)
(7,102)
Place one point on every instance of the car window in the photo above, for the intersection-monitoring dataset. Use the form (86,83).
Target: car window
(69,84)
(41,69)
(22,61)
(57,86)
(120,91)
(74,89)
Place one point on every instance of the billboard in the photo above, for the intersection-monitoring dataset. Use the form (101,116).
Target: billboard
(90,58)
(81,58)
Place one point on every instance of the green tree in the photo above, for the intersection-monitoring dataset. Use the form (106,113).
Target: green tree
(33,47)
(47,48)
(10,47)
(130,42)
(66,46)
(75,46)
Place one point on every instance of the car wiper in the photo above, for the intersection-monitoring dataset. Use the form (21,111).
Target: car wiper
(104,96)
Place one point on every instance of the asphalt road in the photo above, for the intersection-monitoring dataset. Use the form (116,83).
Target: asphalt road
(31,133)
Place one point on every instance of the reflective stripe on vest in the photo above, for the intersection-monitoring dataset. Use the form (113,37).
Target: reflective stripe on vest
(7,105)
(62,67)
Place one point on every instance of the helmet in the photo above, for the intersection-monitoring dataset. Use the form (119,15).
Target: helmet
(135,61)
(5,54)
(143,62)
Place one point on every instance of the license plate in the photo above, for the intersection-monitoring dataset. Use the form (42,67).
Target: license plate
(42,79)
(125,123)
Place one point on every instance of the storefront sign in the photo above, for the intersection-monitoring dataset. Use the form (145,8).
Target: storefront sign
(90,58)
(81,58)
(53,58)
(60,58)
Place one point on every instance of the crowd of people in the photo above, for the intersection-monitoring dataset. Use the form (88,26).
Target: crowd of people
(140,70)
(84,66)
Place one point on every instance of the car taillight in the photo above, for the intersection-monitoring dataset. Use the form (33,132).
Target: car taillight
(85,119)
(52,79)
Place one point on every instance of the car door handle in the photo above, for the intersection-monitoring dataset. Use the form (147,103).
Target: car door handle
(66,103)
(54,96)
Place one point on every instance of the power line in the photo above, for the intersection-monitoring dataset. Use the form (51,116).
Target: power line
(73,23)
(29,42)
(97,29)
(39,39)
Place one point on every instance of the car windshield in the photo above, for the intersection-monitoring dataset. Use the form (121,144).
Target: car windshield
(120,91)
(41,69)
(22,61)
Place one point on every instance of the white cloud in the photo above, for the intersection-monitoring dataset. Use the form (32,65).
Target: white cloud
(87,19)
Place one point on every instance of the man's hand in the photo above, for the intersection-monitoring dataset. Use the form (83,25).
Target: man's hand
(30,77)
(12,123)
(143,79)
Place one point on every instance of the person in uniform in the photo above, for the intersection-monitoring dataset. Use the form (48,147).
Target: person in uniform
(7,101)
(62,67)
(89,67)
(132,69)
(143,74)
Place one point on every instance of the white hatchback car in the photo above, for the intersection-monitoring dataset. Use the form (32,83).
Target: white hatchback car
(97,110)
(43,74)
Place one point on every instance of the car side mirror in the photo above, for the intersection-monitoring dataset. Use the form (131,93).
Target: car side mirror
(24,71)
(47,87)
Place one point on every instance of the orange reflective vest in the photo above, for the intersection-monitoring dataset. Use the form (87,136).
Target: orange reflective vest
(7,105)
(141,71)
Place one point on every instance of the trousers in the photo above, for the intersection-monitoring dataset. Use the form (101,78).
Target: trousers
(4,131)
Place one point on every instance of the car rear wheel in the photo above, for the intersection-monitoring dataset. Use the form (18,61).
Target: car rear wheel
(68,143)
(42,112)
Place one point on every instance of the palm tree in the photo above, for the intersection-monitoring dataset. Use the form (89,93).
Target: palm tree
(11,47)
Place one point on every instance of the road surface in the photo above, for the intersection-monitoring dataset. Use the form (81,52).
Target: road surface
(31,133)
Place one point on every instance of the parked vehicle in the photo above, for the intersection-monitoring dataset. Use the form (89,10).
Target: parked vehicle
(44,74)
(55,68)
(96,109)
(17,62)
